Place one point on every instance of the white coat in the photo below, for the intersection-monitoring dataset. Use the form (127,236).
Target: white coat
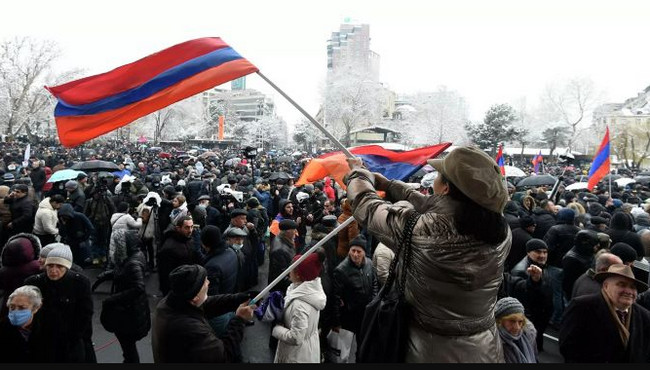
(298,336)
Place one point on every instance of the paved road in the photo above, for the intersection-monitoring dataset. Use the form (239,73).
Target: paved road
(254,346)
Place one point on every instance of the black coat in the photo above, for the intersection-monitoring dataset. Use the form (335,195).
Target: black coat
(544,221)
(559,239)
(15,348)
(574,264)
(355,286)
(130,293)
(22,214)
(38,178)
(518,248)
(176,250)
(589,333)
(67,315)
(538,303)
(222,266)
(181,332)
(279,259)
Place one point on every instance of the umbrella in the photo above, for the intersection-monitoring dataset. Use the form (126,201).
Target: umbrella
(613,177)
(285,158)
(279,175)
(537,181)
(164,155)
(208,154)
(577,186)
(512,171)
(63,175)
(644,180)
(623,181)
(232,162)
(142,139)
(154,149)
(96,166)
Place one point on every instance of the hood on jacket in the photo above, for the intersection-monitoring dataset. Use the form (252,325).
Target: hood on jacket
(17,253)
(620,221)
(346,207)
(282,204)
(66,210)
(116,216)
(45,204)
(511,207)
(642,219)
(308,291)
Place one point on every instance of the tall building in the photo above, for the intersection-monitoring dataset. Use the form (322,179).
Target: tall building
(351,46)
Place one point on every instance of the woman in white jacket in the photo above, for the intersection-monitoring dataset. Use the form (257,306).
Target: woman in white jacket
(121,222)
(298,332)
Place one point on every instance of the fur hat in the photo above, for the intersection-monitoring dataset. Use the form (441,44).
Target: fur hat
(624,251)
(186,281)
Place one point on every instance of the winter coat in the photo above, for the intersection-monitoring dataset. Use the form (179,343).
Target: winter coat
(77,199)
(544,221)
(182,334)
(176,250)
(559,239)
(298,340)
(67,315)
(15,348)
(346,235)
(46,219)
(5,212)
(585,284)
(381,261)
(583,341)
(518,250)
(222,266)
(453,280)
(354,286)
(22,214)
(38,178)
(282,252)
(129,292)
(264,197)
(575,263)
(77,229)
(124,221)
(18,263)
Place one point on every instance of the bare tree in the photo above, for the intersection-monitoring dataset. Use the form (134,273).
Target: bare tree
(569,103)
(631,142)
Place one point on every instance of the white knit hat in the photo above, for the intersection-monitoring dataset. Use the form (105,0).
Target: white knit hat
(60,255)
(45,251)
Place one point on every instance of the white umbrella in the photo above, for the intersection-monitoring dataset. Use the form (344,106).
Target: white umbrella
(623,181)
(577,186)
(512,171)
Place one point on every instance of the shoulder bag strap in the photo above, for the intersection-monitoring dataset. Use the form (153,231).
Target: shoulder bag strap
(404,241)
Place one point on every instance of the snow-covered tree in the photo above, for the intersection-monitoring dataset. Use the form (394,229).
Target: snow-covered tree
(569,103)
(555,137)
(353,99)
(266,132)
(307,135)
(25,66)
(497,127)
(434,117)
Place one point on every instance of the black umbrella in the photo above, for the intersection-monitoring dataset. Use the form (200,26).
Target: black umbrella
(643,180)
(95,166)
(538,180)
(614,177)
(279,175)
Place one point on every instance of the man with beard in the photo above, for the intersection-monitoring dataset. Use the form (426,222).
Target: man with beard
(177,250)
(539,301)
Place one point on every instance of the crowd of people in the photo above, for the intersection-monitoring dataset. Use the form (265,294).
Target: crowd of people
(493,267)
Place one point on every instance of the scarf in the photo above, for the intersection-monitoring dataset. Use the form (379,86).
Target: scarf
(517,349)
(623,328)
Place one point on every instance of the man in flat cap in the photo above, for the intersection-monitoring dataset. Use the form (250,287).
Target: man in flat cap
(608,326)
(180,330)
(238,220)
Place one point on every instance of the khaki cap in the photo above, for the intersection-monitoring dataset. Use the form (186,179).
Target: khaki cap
(476,175)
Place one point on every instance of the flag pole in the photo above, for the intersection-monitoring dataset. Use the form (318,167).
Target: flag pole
(309,117)
(332,233)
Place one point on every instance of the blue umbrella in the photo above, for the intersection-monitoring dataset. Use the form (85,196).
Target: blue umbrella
(63,175)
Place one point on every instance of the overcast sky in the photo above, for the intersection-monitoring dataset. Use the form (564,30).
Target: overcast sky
(489,51)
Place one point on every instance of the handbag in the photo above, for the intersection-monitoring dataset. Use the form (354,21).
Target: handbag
(341,347)
(384,328)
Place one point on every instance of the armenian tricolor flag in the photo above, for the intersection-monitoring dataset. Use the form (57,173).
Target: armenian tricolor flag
(537,161)
(92,106)
(600,164)
(393,165)
(500,161)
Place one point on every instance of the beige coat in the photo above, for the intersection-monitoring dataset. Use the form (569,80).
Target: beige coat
(453,280)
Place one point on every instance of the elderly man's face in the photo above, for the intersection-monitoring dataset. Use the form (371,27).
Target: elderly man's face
(622,291)
(357,255)
(239,221)
(538,256)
